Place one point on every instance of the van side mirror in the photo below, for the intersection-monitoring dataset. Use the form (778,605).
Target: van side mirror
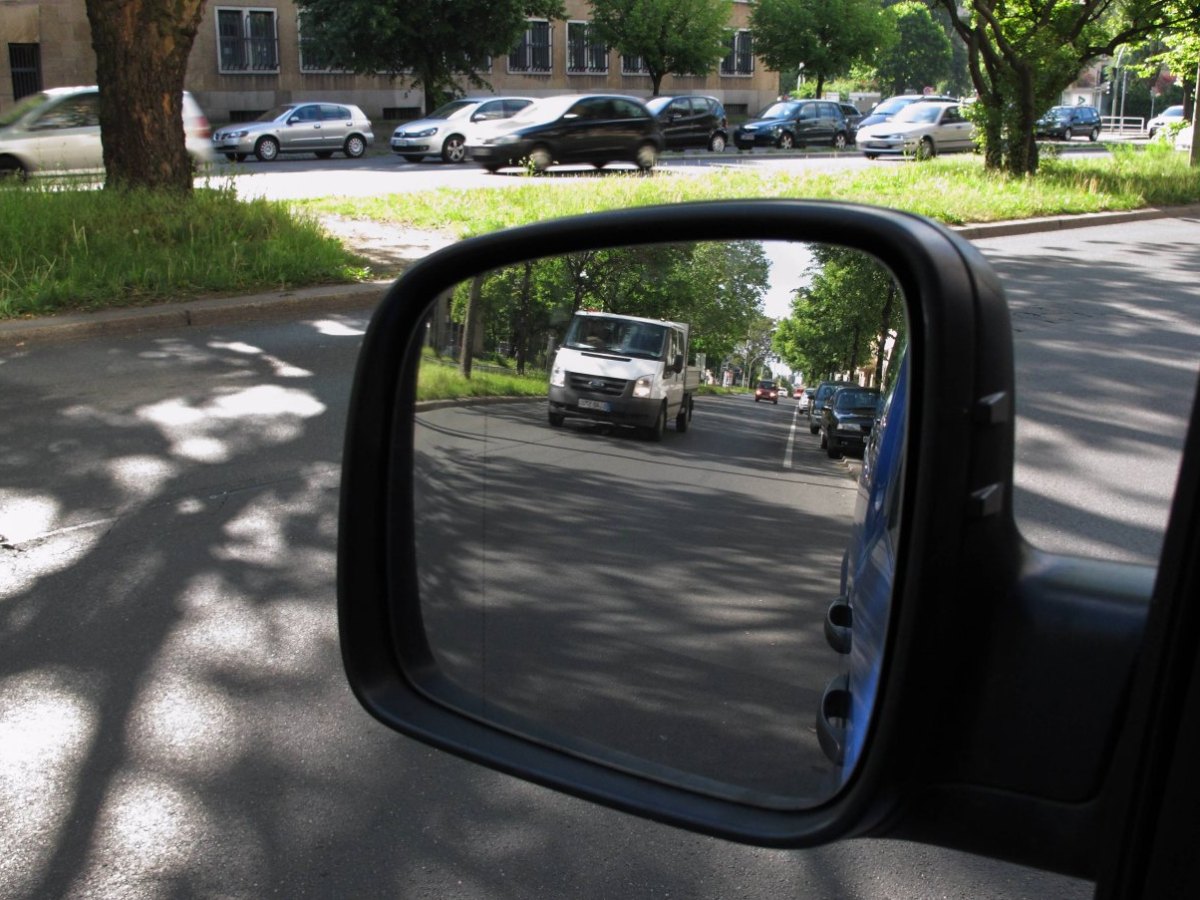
(557,598)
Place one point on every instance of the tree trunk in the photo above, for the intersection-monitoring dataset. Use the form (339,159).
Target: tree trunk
(884,330)
(656,79)
(142,49)
(471,325)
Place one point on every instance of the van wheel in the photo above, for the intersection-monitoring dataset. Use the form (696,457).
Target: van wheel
(656,431)
(556,419)
(685,415)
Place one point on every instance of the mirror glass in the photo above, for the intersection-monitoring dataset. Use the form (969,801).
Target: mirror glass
(634,559)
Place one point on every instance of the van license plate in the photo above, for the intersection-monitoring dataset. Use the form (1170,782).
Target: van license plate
(599,405)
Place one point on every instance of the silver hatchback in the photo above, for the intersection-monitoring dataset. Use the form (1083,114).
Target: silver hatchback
(320,128)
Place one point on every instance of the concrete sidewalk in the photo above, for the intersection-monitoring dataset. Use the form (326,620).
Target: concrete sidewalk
(332,298)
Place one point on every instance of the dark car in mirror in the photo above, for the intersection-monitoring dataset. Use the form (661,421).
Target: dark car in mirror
(847,419)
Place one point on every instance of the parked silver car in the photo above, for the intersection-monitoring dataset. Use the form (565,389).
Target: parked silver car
(443,132)
(320,128)
(58,129)
(921,130)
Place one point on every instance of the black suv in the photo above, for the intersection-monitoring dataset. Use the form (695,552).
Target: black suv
(795,123)
(1065,122)
(847,419)
(691,122)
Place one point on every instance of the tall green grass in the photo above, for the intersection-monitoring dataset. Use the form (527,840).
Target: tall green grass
(441,381)
(66,249)
(955,190)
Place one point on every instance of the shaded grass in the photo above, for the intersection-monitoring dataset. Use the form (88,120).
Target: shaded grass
(442,381)
(954,190)
(63,250)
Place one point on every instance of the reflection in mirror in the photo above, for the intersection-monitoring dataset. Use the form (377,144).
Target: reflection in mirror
(634,561)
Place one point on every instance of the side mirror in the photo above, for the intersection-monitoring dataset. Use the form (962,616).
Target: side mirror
(539,587)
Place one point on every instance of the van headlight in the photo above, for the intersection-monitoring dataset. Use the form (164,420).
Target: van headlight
(644,386)
(558,377)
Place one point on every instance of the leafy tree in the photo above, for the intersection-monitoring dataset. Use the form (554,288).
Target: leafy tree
(920,55)
(687,37)
(436,44)
(829,38)
(844,318)
(1179,53)
(142,49)
(755,347)
(1024,53)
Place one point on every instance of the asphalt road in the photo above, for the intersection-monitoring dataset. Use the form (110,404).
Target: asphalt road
(173,718)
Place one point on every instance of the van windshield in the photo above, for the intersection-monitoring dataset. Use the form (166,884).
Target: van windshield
(619,337)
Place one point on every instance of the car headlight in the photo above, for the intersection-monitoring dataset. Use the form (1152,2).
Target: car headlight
(643,386)
(558,378)
(234,134)
(425,132)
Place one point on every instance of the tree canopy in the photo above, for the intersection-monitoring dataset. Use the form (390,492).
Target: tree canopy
(827,37)
(686,37)
(436,44)
(919,54)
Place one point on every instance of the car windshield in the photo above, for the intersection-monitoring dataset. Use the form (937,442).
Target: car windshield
(855,399)
(892,106)
(447,111)
(919,113)
(778,111)
(767,385)
(1059,112)
(1172,112)
(24,105)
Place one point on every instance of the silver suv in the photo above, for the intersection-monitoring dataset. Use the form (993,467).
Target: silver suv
(320,128)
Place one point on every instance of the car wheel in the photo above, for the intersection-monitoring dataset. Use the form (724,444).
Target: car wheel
(556,419)
(926,149)
(267,149)
(540,159)
(839,141)
(454,149)
(12,168)
(832,449)
(1150,134)
(491,170)
(871,155)
(324,154)
(1094,134)
(756,399)
(824,440)
(655,432)
(355,146)
(600,164)
(786,141)
(646,157)
(413,157)
(716,143)
(813,429)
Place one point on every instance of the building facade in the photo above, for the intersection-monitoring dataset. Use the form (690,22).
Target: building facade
(250,56)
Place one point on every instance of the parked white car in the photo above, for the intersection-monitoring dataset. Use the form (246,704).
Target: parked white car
(921,130)
(1169,116)
(58,130)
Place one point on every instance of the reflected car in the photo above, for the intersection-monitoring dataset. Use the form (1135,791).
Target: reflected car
(797,392)
(805,400)
(1066,122)
(846,420)
(766,390)
(320,128)
(885,110)
(572,128)
(820,396)
(443,132)
(1170,116)
(795,123)
(921,130)
(58,129)
(691,122)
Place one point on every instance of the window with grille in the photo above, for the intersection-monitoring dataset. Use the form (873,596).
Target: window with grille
(532,54)
(25,63)
(314,57)
(633,65)
(247,41)
(585,52)
(740,60)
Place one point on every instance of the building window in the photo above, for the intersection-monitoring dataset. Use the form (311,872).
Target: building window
(247,40)
(633,65)
(585,53)
(533,53)
(740,60)
(25,63)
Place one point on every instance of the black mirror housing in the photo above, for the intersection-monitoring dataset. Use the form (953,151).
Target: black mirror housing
(961,627)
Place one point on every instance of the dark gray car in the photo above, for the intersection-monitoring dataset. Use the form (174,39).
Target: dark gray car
(795,123)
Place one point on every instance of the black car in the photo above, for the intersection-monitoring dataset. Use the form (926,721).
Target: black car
(823,392)
(691,122)
(591,128)
(1065,122)
(767,390)
(853,118)
(795,123)
(846,420)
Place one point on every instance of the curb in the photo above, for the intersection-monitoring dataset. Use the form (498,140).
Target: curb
(357,297)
